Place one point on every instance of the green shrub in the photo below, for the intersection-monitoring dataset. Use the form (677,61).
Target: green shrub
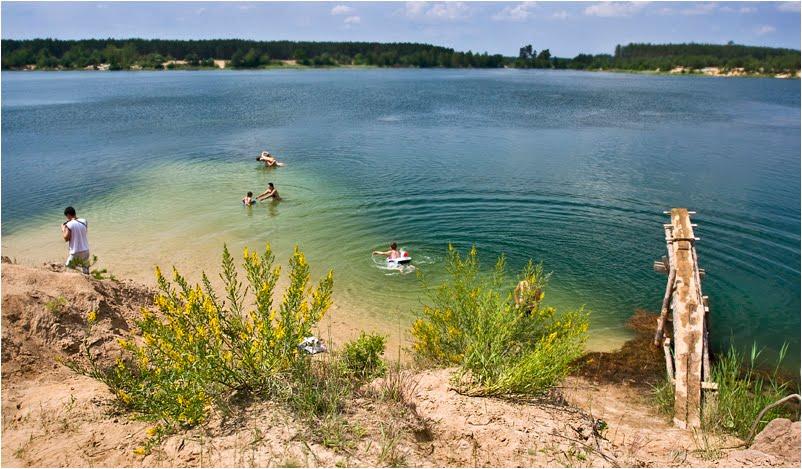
(743,392)
(362,358)
(500,346)
(56,305)
(196,348)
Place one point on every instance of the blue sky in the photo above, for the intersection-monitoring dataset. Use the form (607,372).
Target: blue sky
(566,28)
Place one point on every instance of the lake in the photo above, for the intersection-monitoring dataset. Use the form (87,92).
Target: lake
(573,169)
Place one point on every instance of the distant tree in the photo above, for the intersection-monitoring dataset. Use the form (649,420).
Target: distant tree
(299,54)
(192,59)
(45,60)
(544,55)
(236,58)
(526,52)
(250,59)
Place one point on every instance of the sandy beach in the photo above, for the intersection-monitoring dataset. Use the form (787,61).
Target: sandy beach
(55,417)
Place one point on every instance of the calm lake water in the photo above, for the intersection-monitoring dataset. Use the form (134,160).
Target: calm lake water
(572,169)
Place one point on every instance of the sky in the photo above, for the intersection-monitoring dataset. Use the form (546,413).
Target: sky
(565,28)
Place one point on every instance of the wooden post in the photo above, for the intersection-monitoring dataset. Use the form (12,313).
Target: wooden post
(661,321)
(689,322)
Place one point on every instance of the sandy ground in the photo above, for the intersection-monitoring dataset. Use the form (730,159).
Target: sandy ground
(52,416)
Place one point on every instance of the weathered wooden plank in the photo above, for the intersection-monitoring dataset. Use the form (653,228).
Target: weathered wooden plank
(688,315)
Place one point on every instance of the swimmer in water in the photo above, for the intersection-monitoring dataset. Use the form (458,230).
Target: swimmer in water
(270,192)
(248,199)
(393,253)
(269,160)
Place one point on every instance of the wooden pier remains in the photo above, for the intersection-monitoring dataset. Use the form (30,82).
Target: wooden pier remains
(684,306)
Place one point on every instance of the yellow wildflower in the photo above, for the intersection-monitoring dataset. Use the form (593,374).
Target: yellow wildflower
(124,396)
(152,431)
(91,317)
(141,451)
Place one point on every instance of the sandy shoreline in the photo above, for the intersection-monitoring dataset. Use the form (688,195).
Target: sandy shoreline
(55,417)
(344,321)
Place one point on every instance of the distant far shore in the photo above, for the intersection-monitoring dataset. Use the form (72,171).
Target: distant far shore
(729,59)
(221,65)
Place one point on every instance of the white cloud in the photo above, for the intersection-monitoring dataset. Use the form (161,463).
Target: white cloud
(765,29)
(742,10)
(414,9)
(341,10)
(613,9)
(793,7)
(200,11)
(448,11)
(352,20)
(560,15)
(665,11)
(699,9)
(519,12)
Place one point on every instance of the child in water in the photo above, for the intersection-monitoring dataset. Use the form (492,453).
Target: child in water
(248,199)
(391,254)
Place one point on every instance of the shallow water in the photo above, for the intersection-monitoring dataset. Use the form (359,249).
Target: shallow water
(572,169)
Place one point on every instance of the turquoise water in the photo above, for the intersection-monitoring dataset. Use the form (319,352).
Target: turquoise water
(572,169)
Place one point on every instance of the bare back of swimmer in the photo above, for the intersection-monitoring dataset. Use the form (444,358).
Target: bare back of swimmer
(393,253)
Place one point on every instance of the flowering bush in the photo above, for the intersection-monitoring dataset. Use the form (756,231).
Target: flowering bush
(502,346)
(196,347)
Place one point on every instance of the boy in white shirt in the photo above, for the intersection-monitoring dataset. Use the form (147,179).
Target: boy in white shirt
(74,233)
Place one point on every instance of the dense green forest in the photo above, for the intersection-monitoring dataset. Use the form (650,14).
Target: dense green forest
(668,56)
(122,54)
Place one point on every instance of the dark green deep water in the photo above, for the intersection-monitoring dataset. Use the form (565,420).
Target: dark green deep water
(573,169)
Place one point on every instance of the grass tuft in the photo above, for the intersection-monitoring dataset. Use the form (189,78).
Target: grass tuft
(743,391)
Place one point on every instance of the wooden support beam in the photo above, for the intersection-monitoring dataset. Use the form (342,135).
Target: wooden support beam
(669,359)
(661,321)
(661,266)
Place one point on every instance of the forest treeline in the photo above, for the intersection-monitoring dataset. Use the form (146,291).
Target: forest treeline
(669,56)
(122,54)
